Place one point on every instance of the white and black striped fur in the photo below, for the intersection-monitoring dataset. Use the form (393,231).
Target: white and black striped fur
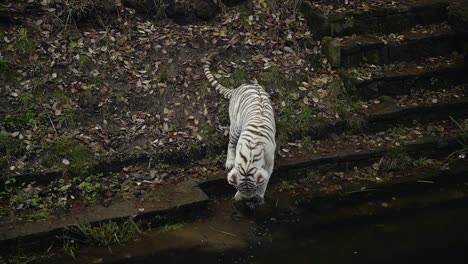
(251,150)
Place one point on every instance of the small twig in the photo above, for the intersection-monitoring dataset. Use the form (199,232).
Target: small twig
(422,181)
(366,190)
(149,163)
(50,119)
(223,232)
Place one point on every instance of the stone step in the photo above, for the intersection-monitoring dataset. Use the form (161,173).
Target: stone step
(389,114)
(178,201)
(429,41)
(406,78)
(382,19)
(340,154)
(396,183)
(409,192)
(394,113)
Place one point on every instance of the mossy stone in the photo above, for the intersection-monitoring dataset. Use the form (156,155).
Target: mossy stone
(317,22)
(331,48)
(458,17)
(344,27)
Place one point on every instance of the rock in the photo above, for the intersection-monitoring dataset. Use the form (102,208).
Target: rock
(87,99)
(458,18)
(186,11)
(317,22)
(233,2)
(141,6)
(331,48)
(205,9)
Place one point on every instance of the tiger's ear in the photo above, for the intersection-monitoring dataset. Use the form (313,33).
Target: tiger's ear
(260,179)
(232,177)
(262,176)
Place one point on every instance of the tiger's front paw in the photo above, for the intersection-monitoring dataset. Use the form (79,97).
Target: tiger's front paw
(229,164)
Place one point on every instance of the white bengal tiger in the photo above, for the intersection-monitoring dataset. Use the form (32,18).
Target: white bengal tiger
(251,149)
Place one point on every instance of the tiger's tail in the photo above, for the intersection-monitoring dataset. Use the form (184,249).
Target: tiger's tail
(226,92)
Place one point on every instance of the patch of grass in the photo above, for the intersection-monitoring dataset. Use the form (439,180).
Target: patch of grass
(306,121)
(30,119)
(89,186)
(5,142)
(38,85)
(160,7)
(366,173)
(84,61)
(108,234)
(26,259)
(4,164)
(271,79)
(203,89)
(163,76)
(311,177)
(61,96)
(307,143)
(345,106)
(238,77)
(167,228)
(396,158)
(67,119)
(6,70)
(69,247)
(26,99)
(245,11)
(272,5)
(346,110)
(23,43)
(95,80)
(284,186)
(462,137)
(36,204)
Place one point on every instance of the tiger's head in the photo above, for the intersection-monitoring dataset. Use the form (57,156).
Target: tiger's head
(249,177)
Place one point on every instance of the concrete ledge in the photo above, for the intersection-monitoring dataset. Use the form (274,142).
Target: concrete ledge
(291,168)
(180,199)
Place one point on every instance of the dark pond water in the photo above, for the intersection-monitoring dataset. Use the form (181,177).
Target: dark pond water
(428,236)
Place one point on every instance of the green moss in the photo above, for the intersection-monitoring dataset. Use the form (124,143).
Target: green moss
(168,228)
(80,157)
(331,48)
(6,70)
(316,21)
(343,27)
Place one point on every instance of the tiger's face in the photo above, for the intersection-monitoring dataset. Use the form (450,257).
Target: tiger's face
(250,184)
